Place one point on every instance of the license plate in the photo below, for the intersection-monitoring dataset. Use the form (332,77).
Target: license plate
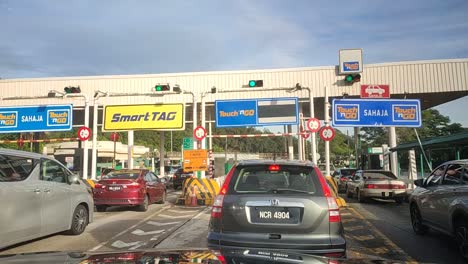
(114,188)
(279,215)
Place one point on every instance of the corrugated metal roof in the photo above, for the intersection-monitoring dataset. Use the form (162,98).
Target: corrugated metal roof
(435,76)
(459,139)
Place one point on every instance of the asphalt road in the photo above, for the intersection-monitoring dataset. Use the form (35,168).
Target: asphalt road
(374,229)
(393,221)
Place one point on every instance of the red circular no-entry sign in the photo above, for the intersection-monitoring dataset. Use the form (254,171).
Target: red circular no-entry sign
(327,133)
(313,124)
(199,133)
(84,133)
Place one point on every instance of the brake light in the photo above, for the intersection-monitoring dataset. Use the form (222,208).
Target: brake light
(370,186)
(133,185)
(342,179)
(217,209)
(99,186)
(398,186)
(219,256)
(274,167)
(333,208)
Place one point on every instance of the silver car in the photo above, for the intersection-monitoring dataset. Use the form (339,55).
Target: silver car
(39,197)
(281,205)
(440,202)
(376,184)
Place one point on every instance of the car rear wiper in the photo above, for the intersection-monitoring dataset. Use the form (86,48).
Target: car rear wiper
(280,190)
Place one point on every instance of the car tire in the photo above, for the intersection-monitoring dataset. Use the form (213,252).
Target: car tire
(163,198)
(348,193)
(144,206)
(360,198)
(101,208)
(461,236)
(399,200)
(416,221)
(79,220)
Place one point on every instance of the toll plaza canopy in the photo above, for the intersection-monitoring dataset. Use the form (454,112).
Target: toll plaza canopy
(433,81)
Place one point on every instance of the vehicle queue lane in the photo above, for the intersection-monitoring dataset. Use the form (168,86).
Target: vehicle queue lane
(107,227)
(394,222)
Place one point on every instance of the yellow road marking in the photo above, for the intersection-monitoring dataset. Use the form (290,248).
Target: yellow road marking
(384,237)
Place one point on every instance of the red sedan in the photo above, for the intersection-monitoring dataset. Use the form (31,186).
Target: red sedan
(137,187)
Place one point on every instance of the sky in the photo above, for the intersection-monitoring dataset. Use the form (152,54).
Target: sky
(88,37)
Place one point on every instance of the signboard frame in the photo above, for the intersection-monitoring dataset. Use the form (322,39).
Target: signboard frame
(33,113)
(180,125)
(382,120)
(252,117)
(351,57)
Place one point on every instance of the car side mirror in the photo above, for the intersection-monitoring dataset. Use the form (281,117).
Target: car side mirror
(73,178)
(419,182)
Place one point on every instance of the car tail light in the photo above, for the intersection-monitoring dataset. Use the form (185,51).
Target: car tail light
(370,186)
(217,210)
(219,256)
(274,167)
(398,186)
(333,208)
(133,185)
(174,177)
(99,186)
(342,179)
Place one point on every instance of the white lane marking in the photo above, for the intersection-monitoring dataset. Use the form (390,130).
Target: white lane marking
(182,211)
(155,223)
(200,213)
(132,245)
(128,229)
(140,232)
(154,238)
(173,216)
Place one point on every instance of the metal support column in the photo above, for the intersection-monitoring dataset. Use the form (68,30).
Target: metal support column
(162,160)
(394,155)
(327,143)
(130,149)
(290,144)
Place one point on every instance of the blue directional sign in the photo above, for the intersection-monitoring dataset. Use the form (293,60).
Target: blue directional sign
(36,118)
(377,113)
(257,112)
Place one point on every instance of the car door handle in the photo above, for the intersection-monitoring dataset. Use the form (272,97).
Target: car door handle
(37,190)
(47,190)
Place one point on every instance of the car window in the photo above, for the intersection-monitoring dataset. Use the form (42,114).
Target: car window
(347,172)
(148,177)
(436,176)
(263,178)
(133,175)
(13,168)
(379,175)
(53,171)
(453,174)
(465,175)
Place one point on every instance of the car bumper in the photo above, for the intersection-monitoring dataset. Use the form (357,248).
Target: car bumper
(384,193)
(118,201)
(288,242)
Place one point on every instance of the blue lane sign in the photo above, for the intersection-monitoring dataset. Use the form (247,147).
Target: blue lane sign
(36,118)
(377,112)
(257,112)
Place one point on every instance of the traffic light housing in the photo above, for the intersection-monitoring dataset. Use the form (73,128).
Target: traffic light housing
(72,89)
(256,83)
(352,78)
(162,88)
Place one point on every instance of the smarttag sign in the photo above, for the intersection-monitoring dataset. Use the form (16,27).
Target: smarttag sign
(377,112)
(257,112)
(36,118)
(144,117)
(350,61)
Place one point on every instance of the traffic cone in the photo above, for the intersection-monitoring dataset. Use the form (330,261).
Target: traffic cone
(193,200)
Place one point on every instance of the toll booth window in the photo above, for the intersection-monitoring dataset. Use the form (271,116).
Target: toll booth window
(13,168)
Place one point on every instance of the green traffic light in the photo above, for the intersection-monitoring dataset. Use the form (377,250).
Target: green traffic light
(252,83)
(349,78)
(158,88)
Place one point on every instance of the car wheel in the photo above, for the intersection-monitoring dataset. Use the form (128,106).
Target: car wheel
(163,198)
(416,221)
(360,198)
(461,236)
(101,208)
(348,193)
(144,206)
(79,220)
(399,200)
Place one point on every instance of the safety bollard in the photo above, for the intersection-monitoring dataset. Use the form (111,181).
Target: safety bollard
(193,200)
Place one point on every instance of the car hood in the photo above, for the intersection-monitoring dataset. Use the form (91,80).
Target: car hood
(220,256)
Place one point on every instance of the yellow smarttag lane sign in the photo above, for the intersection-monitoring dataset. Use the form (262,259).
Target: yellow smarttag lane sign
(144,117)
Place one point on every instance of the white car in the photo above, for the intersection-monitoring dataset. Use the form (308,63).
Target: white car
(40,197)
(374,90)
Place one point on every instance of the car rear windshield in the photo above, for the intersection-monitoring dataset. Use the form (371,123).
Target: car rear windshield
(13,168)
(289,179)
(121,175)
(379,175)
(347,172)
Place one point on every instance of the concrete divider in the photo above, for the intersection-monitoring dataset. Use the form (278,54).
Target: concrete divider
(204,190)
